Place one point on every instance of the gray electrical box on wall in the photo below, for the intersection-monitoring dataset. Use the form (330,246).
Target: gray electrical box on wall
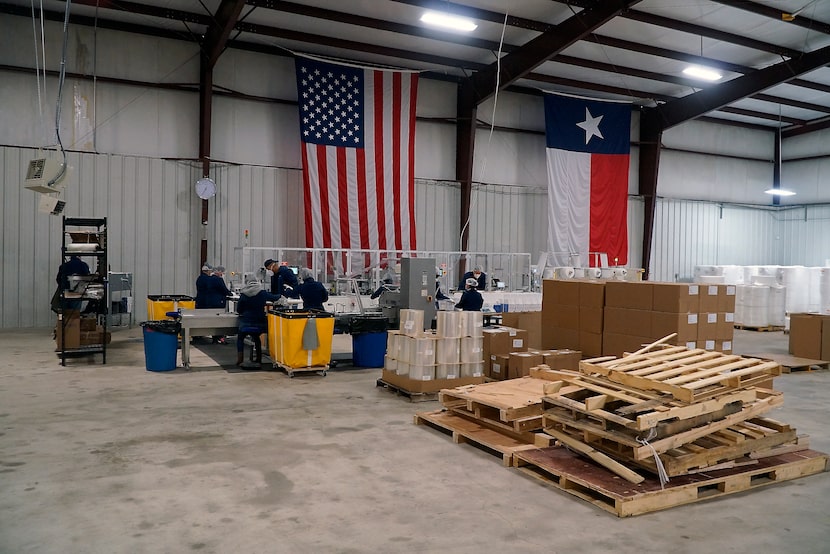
(418,286)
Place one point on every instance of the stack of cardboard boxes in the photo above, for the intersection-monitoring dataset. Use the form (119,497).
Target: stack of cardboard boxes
(612,317)
(79,331)
(507,355)
(810,336)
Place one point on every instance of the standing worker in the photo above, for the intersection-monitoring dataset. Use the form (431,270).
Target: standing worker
(252,318)
(471,299)
(211,290)
(283,280)
(313,293)
(73,266)
(478,275)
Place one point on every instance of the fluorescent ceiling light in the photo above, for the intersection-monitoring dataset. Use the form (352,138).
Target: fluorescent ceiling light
(702,73)
(449,21)
(780,192)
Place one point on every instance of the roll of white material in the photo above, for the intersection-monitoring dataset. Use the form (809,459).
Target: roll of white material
(593,273)
(815,289)
(565,272)
(406,347)
(756,316)
(620,273)
(422,350)
(448,351)
(403,368)
(448,324)
(421,372)
(579,273)
(472,349)
(749,271)
(448,371)
(607,272)
(390,364)
(752,305)
(767,280)
(412,322)
(824,290)
(710,279)
(796,279)
(549,273)
(777,305)
(472,324)
(733,274)
(472,369)
(706,270)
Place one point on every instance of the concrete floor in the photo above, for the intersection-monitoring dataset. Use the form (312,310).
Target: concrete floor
(113,458)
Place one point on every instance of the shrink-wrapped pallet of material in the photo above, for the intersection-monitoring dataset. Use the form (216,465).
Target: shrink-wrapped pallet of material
(412,322)
(472,369)
(752,305)
(422,350)
(421,372)
(777,305)
(448,371)
(472,324)
(448,324)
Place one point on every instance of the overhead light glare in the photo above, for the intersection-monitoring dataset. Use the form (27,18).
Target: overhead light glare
(780,192)
(702,73)
(448,21)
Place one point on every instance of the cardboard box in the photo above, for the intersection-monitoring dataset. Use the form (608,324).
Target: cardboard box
(709,298)
(629,294)
(726,298)
(679,298)
(626,321)
(560,292)
(89,324)
(810,336)
(707,326)
(503,340)
(591,319)
(724,346)
(434,385)
(499,367)
(562,359)
(520,363)
(557,337)
(726,326)
(666,323)
(590,343)
(564,316)
(528,321)
(708,344)
(614,344)
(591,294)
(70,335)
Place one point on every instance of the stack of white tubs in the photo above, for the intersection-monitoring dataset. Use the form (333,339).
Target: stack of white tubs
(460,351)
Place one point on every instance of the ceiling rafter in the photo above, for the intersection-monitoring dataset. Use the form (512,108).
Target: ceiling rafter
(777,14)
(222,23)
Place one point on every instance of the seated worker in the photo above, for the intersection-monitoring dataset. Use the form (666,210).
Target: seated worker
(283,280)
(311,291)
(252,318)
(439,294)
(471,299)
(476,273)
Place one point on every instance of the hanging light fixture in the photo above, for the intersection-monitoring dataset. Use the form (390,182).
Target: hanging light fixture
(703,73)
(448,21)
(780,192)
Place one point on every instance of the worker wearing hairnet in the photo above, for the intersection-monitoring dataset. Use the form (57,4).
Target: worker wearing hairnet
(211,290)
(252,318)
(478,275)
(471,299)
(283,280)
(313,293)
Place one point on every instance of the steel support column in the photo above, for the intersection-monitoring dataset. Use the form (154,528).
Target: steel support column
(650,136)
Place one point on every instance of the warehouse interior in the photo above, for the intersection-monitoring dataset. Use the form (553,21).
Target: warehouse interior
(142,101)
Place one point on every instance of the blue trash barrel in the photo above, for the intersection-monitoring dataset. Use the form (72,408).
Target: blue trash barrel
(368,341)
(161,340)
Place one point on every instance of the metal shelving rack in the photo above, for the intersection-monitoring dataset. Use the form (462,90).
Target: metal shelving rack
(96,227)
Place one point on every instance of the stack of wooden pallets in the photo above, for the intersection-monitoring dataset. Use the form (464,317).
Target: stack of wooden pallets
(668,426)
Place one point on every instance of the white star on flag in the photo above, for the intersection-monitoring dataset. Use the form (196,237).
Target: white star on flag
(591,126)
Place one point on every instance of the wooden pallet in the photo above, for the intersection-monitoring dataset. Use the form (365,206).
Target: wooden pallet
(688,375)
(595,430)
(412,396)
(766,328)
(516,401)
(464,430)
(793,363)
(568,472)
(291,371)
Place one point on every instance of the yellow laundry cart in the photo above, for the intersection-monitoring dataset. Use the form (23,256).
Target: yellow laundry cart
(300,340)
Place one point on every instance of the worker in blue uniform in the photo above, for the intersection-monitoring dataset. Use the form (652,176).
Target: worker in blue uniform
(253,320)
(283,280)
(471,299)
(313,293)
(478,275)
(211,290)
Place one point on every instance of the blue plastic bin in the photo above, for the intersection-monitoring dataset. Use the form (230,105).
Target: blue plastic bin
(368,349)
(161,340)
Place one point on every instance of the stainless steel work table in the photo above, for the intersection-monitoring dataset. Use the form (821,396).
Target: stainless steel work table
(202,322)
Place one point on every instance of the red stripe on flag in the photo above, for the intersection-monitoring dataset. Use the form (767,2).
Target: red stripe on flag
(396,155)
(309,213)
(342,184)
(362,202)
(325,210)
(413,95)
(609,198)
(378,146)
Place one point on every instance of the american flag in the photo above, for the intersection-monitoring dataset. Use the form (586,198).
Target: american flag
(358,131)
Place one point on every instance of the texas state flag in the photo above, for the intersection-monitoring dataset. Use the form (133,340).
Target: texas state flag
(587,159)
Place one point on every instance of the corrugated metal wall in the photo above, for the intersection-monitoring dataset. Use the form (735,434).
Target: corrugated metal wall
(804,235)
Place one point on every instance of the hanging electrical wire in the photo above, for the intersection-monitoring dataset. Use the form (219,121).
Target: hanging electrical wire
(61,79)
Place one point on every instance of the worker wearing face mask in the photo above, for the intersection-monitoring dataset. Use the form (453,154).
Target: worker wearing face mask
(283,280)
(478,275)
(313,293)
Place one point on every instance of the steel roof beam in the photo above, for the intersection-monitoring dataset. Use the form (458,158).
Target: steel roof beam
(220,28)
(777,14)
